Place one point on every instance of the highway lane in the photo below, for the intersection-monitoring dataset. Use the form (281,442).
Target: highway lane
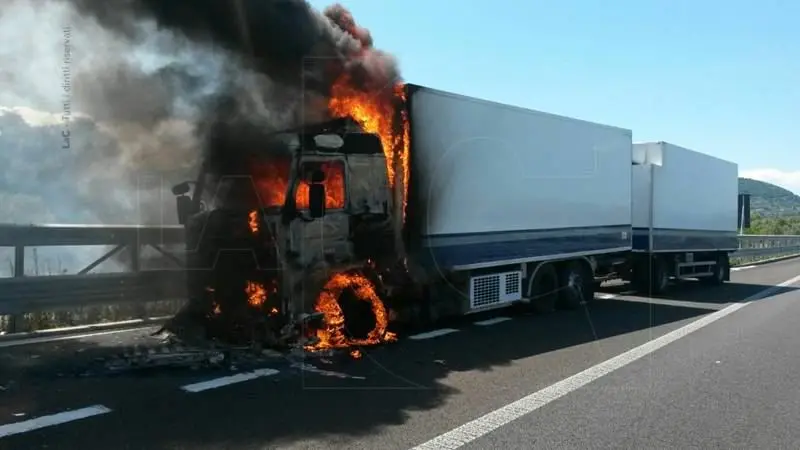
(730,385)
(406,394)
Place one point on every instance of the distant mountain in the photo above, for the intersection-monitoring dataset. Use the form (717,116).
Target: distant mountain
(769,200)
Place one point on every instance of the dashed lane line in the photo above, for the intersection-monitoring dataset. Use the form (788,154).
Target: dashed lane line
(432,334)
(51,420)
(494,321)
(225,381)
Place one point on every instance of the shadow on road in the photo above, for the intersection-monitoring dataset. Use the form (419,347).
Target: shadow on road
(398,379)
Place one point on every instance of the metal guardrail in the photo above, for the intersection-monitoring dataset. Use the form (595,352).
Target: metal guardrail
(755,246)
(26,294)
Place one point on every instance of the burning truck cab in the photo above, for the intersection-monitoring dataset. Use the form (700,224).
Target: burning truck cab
(265,236)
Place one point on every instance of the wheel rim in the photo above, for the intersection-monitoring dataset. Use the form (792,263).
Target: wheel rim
(576,285)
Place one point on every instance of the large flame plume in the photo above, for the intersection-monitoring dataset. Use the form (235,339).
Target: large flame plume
(381,111)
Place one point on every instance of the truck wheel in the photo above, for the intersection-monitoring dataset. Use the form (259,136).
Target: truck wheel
(576,286)
(544,289)
(652,277)
(720,272)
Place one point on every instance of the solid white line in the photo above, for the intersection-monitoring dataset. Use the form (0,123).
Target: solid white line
(486,424)
(432,334)
(605,296)
(224,381)
(54,419)
(734,269)
(494,321)
(678,303)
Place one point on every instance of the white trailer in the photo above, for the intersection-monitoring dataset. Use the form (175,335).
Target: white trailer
(521,202)
(684,215)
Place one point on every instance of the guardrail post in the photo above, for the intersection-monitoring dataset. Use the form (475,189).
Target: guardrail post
(136,250)
(19,261)
(15,320)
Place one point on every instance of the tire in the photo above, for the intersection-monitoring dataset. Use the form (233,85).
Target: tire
(720,272)
(651,276)
(576,286)
(544,289)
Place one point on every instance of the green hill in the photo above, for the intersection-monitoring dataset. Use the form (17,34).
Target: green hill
(768,200)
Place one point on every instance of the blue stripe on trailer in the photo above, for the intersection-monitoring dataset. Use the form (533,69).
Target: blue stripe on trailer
(447,251)
(666,240)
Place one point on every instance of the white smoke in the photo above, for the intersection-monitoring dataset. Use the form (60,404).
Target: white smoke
(144,96)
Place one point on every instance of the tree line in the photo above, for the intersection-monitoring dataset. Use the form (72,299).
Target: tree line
(774,225)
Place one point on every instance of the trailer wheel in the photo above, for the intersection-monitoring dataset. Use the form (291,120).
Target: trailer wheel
(720,272)
(544,289)
(576,286)
(652,277)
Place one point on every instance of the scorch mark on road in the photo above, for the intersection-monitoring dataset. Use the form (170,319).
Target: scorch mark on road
(487,423)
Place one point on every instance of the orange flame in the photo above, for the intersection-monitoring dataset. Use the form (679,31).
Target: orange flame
(256,293)
(334,187)
(377,112)
(332,335)
(252,221)
(272,182)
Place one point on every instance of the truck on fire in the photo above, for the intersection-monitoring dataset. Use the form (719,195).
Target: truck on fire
(465,206)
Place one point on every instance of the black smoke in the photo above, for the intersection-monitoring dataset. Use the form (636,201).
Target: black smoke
(292,52)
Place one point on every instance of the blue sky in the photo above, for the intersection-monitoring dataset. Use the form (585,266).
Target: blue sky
(718,77)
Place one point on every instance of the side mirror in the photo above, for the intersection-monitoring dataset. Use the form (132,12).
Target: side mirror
(184,206)
(181,188)
(316,200)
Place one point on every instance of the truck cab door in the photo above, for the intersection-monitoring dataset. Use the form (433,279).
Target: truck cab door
(325,238)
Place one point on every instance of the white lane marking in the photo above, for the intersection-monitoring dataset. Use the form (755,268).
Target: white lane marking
(225,381)
(45,339)
(734,269)
(54,419)
(494,321)
(328,373)
(483,425)
(432,334)
(605,296)
(678,303)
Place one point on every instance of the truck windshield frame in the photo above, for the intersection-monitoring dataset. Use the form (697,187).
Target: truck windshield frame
(336,191)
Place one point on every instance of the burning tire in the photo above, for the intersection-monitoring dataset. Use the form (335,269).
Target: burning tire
(351,293)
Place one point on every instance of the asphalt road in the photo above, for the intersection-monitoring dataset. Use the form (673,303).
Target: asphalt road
(620,373)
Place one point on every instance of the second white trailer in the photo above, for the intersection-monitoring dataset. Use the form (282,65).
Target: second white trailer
(684,208)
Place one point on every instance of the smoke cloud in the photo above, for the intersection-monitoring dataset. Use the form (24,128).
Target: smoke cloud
(145,89)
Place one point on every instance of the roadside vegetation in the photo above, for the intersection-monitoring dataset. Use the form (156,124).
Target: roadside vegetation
(774,225)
